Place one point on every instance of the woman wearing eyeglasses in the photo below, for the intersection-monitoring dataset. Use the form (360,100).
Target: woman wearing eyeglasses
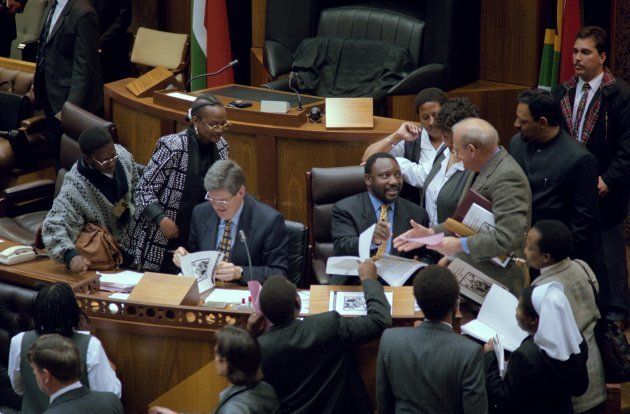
(172,184)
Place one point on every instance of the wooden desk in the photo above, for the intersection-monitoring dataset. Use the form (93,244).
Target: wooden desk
(275,158)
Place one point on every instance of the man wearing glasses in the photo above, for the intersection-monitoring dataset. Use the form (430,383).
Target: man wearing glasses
(98,189)
(172,184)
(216,224)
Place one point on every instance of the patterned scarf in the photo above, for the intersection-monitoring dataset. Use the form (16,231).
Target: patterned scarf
(592,112)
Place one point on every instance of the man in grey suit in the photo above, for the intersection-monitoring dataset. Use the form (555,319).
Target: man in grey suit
(429,368)
(502,181)
(57,367)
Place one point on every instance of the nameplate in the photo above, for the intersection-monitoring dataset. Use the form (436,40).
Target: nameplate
(274,107)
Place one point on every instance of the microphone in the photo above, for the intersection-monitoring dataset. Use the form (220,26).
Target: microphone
(243,239)
(291,74)
(203,75)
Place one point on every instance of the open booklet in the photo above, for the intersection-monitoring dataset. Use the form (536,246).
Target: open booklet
(480,220)
(392,269)
(473,283)
(497,317)
(200,265)
(353,303)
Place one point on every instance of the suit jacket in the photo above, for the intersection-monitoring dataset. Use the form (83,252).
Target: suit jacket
(266,234)
(311,362)
(429,369)
(242,399)
(503,182)
(535,383)
(71,69)
(573,276)
(353,215)
(82,400)
(114,17)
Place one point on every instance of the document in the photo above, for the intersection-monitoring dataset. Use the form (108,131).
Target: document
(497,317)
(353,303)
(305,297)
(122,282)
(473,283)
(479,219)
(499,352)
(432,240)
(396,270)
(180,95)
(200,265)
(231,296)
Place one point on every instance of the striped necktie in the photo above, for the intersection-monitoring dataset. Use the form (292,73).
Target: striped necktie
(580,112)
(43,36)
(225,245)
(383,246)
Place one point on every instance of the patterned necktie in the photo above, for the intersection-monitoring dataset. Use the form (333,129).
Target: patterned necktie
(43,36)
(580,112)
(225,244)
(383,246)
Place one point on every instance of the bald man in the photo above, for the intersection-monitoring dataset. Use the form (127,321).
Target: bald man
(502,181)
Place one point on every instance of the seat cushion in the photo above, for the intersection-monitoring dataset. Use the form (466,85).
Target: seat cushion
(31,221)
(13,231)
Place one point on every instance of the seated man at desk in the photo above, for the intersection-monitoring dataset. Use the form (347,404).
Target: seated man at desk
(229,213)
(98,189)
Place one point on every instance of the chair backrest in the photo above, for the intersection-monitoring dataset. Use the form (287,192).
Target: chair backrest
(297,251)
(288,22)
(361,22)
(18,81)
(28,25)
(156,48)
(326,186)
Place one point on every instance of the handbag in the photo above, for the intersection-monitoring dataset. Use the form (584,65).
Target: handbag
(97,244)
(612,343)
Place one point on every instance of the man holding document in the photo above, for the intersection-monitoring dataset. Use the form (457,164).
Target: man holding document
(500,180)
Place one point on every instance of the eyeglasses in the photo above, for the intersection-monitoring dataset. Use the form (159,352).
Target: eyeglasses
(219,128)
(106,162)
(223,203)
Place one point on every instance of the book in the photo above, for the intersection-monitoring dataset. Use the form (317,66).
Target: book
(200,265)
(497,317)
(473,283)
(353,303)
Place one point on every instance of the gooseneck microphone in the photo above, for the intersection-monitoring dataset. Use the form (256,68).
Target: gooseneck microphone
(241,236)
(203,75)
(291,75)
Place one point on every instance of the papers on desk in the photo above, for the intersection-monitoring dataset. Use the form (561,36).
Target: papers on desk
(353,303)
(200,265)
(394,270)
(180,95)
(473,283)
(231,296)
(497,317)
(305,297)
(122,282)
(119,296)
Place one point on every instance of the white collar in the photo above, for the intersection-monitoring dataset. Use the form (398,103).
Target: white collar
(594,83)
(64,390)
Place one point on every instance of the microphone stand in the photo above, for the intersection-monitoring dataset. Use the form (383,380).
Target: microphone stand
(291,74)
(241,236)
(224,68)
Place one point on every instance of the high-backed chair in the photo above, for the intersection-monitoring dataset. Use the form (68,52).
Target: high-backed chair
(324,187)
(16,315)
(297,250)
(24,207)
(153,48)
(28,25)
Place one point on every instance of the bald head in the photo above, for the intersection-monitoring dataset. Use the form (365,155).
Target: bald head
(474,142)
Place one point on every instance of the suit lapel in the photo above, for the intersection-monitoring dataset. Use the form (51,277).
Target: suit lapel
(238,251)
(488,170)
(212,226)
(401,218)
(60,20)
(368,214)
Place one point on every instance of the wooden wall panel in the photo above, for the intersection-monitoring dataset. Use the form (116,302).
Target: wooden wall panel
(141,131)
(259,74)
(259,15)
(243,151)
(175,16)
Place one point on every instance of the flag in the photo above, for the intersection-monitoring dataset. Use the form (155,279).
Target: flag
(571,24)
(546,62)
(550,60)
(209,14)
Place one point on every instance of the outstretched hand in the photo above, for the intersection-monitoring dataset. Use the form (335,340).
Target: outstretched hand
(417,230)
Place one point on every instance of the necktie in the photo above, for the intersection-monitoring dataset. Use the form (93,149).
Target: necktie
(44,33)
(580,112)
(225,244)
(383,246)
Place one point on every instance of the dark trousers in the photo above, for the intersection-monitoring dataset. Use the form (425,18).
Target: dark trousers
(611,271)
(53,125)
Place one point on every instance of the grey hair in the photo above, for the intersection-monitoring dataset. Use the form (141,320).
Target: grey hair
(224,175)
(477,132)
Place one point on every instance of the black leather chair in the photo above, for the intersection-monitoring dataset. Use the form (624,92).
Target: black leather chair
(16,310)
(442,37)
(324,187)
(298,253)
(24,207)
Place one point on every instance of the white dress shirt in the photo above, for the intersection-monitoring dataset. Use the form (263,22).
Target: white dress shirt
(100,374)
(436,184)
(595,83)
(61,4)
(64,390)
(414,173)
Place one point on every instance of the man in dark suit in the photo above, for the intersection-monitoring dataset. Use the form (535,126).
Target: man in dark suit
(217,226)
(311,362)
(114,17)
(57,367)
(8,8)
(68,66)
(379,205)
(429,368)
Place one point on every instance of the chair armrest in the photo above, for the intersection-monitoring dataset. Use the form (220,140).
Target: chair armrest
(431,75)
(19,197)
(276,58)
(34,124)
(277,85)
(319,271)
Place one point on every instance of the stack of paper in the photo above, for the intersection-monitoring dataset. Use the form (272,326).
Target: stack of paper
(473,283)
(231,296)
(200,265)
(123,282)
(353,303)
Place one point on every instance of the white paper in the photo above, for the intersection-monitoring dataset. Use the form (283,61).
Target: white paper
(497,316)
(305,297)
(343,265)
(180,95)
(353,303)
(119,296)
(396,270)
(200,265)
(500,354)
(123,281)
(473,283)
(479,219)
(365,242)
(234,296)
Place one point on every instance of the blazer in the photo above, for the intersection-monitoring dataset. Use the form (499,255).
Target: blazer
(71,69)
(535,383)
(575,276)
(254,399)
(503,182)
(266,234)
(353,215)
(82,400)
(429,369)
(311,362)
